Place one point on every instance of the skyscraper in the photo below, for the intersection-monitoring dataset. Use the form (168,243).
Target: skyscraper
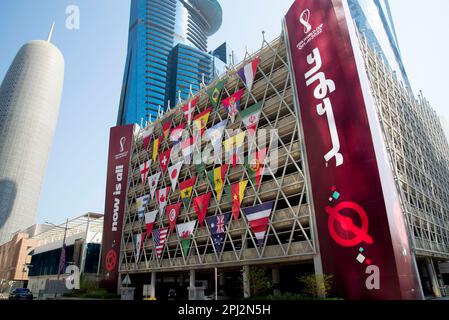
(167,52)
(374,21)
(30,97)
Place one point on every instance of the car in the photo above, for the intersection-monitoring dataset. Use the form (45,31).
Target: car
(21,294)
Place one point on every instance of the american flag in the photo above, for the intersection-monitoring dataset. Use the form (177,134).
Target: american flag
(160,236)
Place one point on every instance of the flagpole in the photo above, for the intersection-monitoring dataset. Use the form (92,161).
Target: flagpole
(216,284)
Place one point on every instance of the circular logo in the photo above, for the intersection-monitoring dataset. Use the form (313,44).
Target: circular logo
(172,215)
(111,260)
(174,174)
(254,164)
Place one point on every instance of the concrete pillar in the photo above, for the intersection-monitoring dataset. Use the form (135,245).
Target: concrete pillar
(319,276)
(276,281)
(221,282)
(433,277)
(192,289)
(153,285)
(246,282)
(181,280)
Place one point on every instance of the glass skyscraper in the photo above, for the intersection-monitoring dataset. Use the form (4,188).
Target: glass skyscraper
(374,20)
(167,52)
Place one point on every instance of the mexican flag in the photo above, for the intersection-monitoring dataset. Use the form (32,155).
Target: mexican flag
(217,179)
(185,233)
(138,243)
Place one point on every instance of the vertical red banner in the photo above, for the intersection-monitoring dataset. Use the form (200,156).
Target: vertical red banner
(360,226)
(120,148)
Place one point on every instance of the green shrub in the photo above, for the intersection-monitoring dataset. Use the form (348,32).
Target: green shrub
(310,288)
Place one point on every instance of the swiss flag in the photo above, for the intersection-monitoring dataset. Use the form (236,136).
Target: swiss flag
(164,160)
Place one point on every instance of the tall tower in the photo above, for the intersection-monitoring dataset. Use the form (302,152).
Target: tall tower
(374,20)
(161,33)
(30,97)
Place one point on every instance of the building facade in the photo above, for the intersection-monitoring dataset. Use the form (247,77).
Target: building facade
(158,31)
(30,97)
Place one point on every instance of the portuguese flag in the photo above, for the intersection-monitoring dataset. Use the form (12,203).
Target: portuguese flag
(186,188)
(214,93)
(255,166)
(217,179)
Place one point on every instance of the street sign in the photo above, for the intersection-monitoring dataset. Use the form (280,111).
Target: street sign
(126,281)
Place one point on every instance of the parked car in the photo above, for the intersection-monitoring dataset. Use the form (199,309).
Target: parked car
(21,294)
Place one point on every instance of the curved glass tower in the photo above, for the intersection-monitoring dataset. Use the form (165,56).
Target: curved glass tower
(160,33)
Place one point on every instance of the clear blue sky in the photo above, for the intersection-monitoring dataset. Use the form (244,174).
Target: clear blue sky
(95,55)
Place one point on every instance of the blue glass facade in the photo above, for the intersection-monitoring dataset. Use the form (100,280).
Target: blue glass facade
(162,31)
(374,20)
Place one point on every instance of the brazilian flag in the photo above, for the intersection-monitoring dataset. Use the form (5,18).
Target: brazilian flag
(215,93)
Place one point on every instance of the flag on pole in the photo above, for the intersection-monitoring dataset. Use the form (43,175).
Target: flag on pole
(140,239)
(215,135)
(172,213)
(186,188)
(201,204)
(236,193)
(248,72)
(141,205)
(164,160)
(156,145)
(146,136)
(153,182)
(185,233)
(150,217)
(217,230)
(255,166)
(159,237)
(234,148)
(166,126)
(250,117)
(189,110)
(259,218)
(214,93)
(232,104)
(176,133)
(144,170)
(200,121)
(173,173)
(217,179)
(162,198)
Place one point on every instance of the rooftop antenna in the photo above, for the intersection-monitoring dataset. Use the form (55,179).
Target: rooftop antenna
(50,34)
(179,96)
(168,106)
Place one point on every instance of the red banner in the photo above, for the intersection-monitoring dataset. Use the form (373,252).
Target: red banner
(120,146)
(361,230)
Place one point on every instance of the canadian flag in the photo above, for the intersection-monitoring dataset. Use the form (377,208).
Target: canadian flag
(173,172)
(162,198)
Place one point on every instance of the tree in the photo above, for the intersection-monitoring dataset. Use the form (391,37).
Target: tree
(309,283)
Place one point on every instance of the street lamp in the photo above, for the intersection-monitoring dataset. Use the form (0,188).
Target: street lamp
(63,246)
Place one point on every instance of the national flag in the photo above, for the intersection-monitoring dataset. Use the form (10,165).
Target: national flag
(176,133)
(232,104)
(153,182)
(156,145)
(162,198)
(173,173)
(172,214)
(159,237)
(236,192)
(217,179)
(187,149)
(186,188)
(146,136)
(259,218)
(141,204)
(214,93)
(248,72)
(140,239)
(144,170)
(150,217)
(215,135)
(200,121)
(189,110)
(185,233)
(201,204)
(250,117)
(217,229)
(166,124)
(255,166)
(234,148)
(164,160)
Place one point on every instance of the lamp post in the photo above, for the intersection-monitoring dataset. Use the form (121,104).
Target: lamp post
(63,246)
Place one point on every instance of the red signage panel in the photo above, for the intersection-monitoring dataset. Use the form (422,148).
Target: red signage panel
(120,148)
(361,229)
